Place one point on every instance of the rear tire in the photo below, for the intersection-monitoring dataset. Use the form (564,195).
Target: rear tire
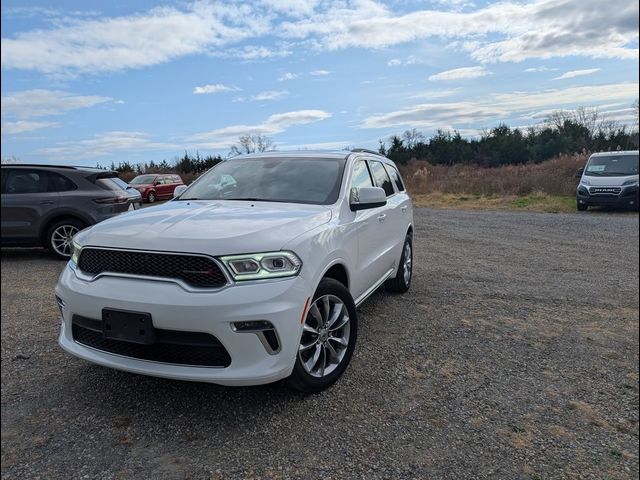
(328,339)
(59,237)
(402,281)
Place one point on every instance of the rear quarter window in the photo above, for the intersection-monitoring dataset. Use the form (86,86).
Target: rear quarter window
(395,177)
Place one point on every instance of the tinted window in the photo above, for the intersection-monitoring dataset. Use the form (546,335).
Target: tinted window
(26,181)
(361,177)
(112,183)
(60,183)
(177,179)
(271,179)
(380,176)
(395,177)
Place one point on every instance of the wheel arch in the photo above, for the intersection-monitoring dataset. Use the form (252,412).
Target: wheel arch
(58,216)
(338,271)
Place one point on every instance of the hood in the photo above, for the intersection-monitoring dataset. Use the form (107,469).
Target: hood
(217,227)
(597,181)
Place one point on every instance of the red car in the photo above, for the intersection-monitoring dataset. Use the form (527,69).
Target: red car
(156,186)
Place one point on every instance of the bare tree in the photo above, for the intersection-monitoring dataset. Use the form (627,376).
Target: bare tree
(412,137)
(251,144)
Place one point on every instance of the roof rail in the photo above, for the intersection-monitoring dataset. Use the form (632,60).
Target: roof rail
(48,165)
(365,150)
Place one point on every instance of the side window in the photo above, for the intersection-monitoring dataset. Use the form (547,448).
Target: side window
(60,183)
(361,177)
(26,181)
(395,177)
(177,179)
(381,177)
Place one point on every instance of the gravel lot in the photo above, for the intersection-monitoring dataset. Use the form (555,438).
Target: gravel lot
(514,355)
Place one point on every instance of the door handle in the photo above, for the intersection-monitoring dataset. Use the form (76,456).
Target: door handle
(381,217)
(404,209)
(46,202)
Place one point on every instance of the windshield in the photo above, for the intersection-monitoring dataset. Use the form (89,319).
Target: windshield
(612,166)
(142,179)
(272,179)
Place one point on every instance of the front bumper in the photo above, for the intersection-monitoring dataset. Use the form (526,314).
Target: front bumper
(628,198)
(280,302)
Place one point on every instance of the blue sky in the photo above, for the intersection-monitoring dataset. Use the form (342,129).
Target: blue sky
(86,82)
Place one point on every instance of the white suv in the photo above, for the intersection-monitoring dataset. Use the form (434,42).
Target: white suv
(242,282)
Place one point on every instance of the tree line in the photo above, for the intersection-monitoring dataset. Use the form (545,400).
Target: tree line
(583,130)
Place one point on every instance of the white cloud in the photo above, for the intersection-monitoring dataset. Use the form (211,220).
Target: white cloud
(394,62)
(288,76)
(507,31)
(105,144)
(135,41)
(215,88)
(499,106)
(577,73)
(539,69)
(22,126)
(319,73)
(269,95)
(38,103)
(277,123)
(460,74)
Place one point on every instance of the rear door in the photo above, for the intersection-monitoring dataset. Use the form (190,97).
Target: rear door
(400,206)
(26,198)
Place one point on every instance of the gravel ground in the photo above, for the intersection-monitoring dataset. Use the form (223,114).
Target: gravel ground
(514,355)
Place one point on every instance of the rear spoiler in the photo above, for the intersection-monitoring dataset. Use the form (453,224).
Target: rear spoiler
(106,174)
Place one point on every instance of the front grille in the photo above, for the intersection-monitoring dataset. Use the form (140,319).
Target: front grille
(605,190)
(195,270)
(175,347)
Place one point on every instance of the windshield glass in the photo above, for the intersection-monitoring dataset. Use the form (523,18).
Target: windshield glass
(612,166)
(272,179)
(142,179)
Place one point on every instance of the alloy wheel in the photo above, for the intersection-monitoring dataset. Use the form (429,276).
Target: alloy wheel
(61,239)
(325,336)
(406,268)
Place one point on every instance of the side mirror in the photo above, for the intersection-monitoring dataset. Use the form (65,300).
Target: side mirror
(367,197)
(580,172)
(179,190)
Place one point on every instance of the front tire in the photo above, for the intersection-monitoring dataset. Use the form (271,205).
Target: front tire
(60,235)
(402,281)
(328,339)
(151,197)
(582,206)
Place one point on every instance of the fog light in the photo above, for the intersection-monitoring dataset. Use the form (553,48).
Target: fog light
(265,331)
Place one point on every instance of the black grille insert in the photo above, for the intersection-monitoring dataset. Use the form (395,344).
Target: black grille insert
(172,346)
(195,270)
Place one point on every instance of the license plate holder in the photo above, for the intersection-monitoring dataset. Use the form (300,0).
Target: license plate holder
(127,326)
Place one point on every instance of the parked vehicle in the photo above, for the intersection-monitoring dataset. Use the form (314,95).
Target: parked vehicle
(609,179)
(154,187)
(247,281)
(47,205)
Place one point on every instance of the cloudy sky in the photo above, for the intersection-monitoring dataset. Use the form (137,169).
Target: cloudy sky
(86,82)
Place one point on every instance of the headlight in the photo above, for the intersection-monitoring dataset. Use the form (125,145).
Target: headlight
(75,252)
(585,181)
(632,181)
(258,266)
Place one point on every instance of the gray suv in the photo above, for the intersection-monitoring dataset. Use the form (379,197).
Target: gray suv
(47,205)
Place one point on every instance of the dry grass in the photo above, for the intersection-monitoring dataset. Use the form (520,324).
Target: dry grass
(555,177)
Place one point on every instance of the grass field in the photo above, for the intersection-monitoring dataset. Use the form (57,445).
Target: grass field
(535,202)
